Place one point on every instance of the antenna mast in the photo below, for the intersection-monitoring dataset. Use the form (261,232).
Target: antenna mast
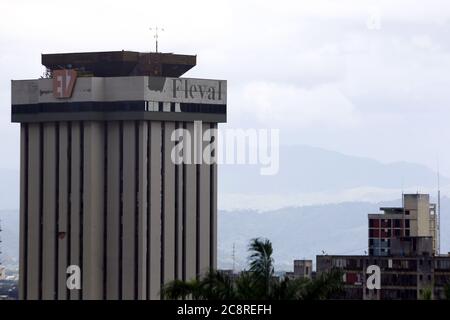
(403,207)
(0,242)
(438,213)
(155,35)
(234,257)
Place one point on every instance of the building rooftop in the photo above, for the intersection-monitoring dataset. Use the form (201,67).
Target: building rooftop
(121,63)
(396,210)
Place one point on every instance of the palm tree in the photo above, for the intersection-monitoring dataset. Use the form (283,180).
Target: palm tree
(261,267)
(213,286)
(258,283)
(325,286)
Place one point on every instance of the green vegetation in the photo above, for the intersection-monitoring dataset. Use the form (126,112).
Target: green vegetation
(447,291)
(427,294)
(256,283)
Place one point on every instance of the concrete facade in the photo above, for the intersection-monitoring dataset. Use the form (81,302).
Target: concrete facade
(402,277)
(416,218)
(303,269)
(403,243)
(99,189)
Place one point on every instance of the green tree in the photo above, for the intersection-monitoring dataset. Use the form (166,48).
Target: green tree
(427,294)
(261,267)
(447,291)
(256,283)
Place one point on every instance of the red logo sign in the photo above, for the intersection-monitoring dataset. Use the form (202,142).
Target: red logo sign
(63,83)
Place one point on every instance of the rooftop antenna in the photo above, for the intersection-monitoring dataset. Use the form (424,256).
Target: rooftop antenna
(234,256)
(155,35)
(403,189)
(403,194)
(438,212)
(0,241)
(403,205)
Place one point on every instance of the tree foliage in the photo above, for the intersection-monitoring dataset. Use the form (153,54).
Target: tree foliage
(256,283)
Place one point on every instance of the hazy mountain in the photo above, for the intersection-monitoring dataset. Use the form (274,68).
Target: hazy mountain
(302,169)
(309,169)
(309,175)
(9,189)
(296,233)
(10,237)
(304,232)
(297,229)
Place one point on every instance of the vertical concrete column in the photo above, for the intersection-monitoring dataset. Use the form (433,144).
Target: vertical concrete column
(190,213)
(63,209)
(93,210)
(113,224)
(49,212)
(142,210)
(179,214)
(75,200)
(204,202)
(23,254)
(169,205)
(154,197)
(213,209)
(34,266)
(129,211)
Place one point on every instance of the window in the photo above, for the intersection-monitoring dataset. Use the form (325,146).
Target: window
(374,233)
(443,264)
(374,223)
(407,212)
(407,223)
(386,223)
(340,263)
(385,233)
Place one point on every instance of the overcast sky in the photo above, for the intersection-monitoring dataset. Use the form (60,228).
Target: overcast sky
(368,78)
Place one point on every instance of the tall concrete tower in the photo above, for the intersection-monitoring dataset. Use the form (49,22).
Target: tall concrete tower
(100,189)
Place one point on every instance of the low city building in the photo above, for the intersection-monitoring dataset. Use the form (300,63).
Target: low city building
(303,269)
(2,273)
(402,277)
(404,245)
(416,218)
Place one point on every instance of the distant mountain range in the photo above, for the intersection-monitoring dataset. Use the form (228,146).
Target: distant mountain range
(302,170)
(309,175)
(9,189)
(318,201)
(304,232)
(10,237)
(296,232)
(310,169)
